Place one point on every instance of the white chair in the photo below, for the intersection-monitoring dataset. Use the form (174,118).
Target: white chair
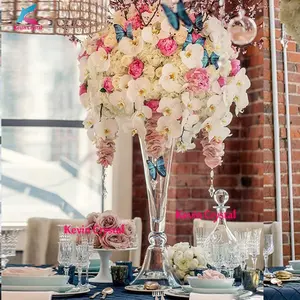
(41,245)
(273,228)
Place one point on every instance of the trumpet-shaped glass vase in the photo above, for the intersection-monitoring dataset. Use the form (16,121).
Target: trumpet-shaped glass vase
(157,171)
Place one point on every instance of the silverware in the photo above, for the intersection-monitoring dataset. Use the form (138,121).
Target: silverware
(155,294)
(95,295)
(158,294)
(106,291)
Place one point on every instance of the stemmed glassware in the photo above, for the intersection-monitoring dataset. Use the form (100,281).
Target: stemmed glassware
(232,258)
(65,252)
(81,260)
(268,250)
(201,235)
(254,245)
(9,239)
(243,238)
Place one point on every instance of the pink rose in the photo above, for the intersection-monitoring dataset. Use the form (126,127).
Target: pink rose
(100,44)
(108,220)
(197,79)
(91,219)
(136,68)
(222,81)
(153,104)
(143,7)
(235,67)
(114,241)
(83,89)
(107,85)
(135,21)
(211,274)
(129,229)
(167,46)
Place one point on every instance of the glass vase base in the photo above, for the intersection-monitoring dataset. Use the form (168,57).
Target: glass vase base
(156,268)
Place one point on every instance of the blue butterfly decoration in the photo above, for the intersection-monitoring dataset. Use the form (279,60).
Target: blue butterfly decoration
(210,60)
(158,168)
(189,40)
(121,33)
(181,14)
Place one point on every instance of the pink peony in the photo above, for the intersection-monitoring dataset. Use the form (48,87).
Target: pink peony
(155,142)
(108,220)
(114,241)
(82,89)
(107,85)
(136,68)
(197,79)
(235,67)
(153,104)
(222,81)
(212,151)
(135,21)
(106,149)
(167,46)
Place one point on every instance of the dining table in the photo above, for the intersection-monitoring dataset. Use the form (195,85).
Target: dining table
(289,291)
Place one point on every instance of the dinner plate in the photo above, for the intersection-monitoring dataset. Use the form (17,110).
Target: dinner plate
(70,294)
(56,280)
(179,293)
(260,289)
(140,288)
(293,279)
(38,288)
(231,290)
(295,272)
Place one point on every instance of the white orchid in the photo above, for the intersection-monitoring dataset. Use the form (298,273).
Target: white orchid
(192,56)
(178,35)
(138,91)
(98,61)
(131,47)
(121,101)
(217,107)
(123,82)
(106,128)
(83,71)
(170,107)
(190,102)
(226,119)
(241,81)
(143,113)
(169,126)
(169,79)
(218,133)
(153,33)
(135,126)
(91,119)
(241,101)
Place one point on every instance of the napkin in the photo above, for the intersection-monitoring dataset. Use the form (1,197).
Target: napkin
(26,295)
(194,296)
(28,271)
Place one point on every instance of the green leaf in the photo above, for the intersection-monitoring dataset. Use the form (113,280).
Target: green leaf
(103,90)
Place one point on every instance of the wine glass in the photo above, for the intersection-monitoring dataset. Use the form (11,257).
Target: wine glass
(9,239)
(201,236)
(268,250)
(62,234)
(232,258)
(254,245)
(243,238)
(65,252)
(81,260)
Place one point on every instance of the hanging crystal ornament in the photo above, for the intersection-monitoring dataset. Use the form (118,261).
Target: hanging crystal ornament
(212,188)
(242,29)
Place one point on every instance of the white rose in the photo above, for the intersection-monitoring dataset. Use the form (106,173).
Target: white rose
(180,274)
(182,264)
(188,254)
(149,72)
(192,264)
(170,252)
(110,40)
(182,246)
(178,255)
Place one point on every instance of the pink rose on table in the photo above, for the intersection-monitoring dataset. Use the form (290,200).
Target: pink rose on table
(82,89)
(167,46)
(235,67)
(129,228)
(136,68)
(107,85)
(115,241)
(198,80)
(108,220)
(211,274)
(91,219)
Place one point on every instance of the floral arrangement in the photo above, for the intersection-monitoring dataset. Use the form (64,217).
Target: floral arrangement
(110,231)
(143,76)
(289,15)
(184,259)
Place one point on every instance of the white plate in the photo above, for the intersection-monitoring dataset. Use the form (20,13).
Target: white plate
(58,289)
(293,279)
(231,290)
(140,288)
(179,293)
(296,272)
(56,280)
(70,294)
(198,283)
(260,289)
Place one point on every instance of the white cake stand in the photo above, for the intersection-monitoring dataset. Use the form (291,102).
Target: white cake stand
(104,275)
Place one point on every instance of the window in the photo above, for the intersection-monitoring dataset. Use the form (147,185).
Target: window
(48,164)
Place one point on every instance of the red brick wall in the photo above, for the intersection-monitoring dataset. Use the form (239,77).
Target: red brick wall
(269,173)
(241,173)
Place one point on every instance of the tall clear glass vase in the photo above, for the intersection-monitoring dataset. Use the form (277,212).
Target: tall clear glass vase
(157,171)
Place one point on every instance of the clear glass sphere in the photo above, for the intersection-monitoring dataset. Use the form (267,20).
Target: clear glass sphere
(242,29)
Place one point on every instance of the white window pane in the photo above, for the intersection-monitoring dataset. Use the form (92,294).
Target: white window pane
(48,172)
(39,78)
